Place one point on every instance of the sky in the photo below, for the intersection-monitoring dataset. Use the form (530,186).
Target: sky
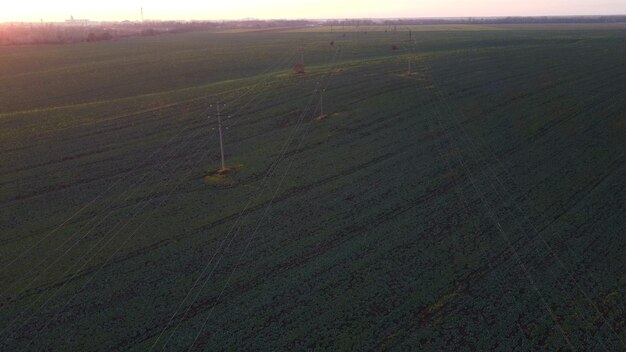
(59,10)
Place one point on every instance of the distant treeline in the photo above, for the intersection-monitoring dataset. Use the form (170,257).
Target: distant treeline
(86,31)
(480,20)
(73,32)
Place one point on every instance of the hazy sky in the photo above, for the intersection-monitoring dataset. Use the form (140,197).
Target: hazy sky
(57,10)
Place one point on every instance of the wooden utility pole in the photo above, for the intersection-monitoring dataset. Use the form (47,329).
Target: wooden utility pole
(218,107)
(322,116)
(412,44)
(219,123)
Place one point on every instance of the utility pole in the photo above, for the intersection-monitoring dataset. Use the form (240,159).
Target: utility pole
(218,107)
(142,14)
(219,123)
(412,44)
(322,116)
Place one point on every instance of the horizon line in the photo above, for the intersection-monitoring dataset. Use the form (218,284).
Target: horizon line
(326,19)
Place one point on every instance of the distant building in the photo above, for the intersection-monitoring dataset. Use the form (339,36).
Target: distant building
(77,22)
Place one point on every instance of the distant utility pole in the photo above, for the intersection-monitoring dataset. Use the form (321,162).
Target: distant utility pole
(142,14)
(410,36)
(412,44)
(218,107)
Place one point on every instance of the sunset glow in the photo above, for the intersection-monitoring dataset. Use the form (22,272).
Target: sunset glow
(36,10)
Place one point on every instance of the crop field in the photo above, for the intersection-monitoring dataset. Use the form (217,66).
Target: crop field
(476,203)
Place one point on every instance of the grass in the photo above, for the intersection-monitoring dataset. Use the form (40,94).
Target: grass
(434,211)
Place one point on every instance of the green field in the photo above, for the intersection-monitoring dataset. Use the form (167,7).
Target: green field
(475,204)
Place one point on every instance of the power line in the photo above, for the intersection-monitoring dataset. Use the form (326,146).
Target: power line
(477,151)
(134,186)
(262,217)
(515,254)
(218,107)
(127,222)
(499,182)
(465,200)
(234,230)
(253,98)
